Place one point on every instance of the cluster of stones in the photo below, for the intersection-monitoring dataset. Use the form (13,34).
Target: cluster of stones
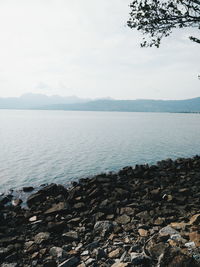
(142,216)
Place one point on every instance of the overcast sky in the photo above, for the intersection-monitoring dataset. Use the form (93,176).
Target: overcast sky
(84,48)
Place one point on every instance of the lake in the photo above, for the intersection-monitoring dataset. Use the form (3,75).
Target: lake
(60,146)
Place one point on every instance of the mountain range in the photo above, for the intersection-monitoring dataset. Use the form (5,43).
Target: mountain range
(43,102)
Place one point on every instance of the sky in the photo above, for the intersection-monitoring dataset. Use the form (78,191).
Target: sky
(84,48)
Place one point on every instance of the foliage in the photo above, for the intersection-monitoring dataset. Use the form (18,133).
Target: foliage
(157,18)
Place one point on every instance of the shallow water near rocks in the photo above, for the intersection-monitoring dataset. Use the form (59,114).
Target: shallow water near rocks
(60,146)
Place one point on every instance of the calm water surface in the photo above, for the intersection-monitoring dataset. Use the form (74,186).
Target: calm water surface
(58,146)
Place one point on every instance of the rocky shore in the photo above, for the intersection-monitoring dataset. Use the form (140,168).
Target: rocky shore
(141,216)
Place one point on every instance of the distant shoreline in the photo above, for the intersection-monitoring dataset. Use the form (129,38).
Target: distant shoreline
(123,111)
(41,102)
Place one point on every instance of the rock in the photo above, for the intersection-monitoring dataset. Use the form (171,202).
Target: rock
(50,190)
(50,263)
(58,252)
(179,226)
(195,237)
(139,259)
(28,244)
(127,211)
(89,261)
(99,253)
(33,219)
(56,208)
(13,264)
(28,189)
(115,253)
(16,202)
(73,261)
(195,219)
(123,219)
(173,257)
(103,227)
(143,232)
(177,239)
(57,227)
(92,245)
(98,215)
(6,199)
(35,198)
(143,215)
(41,237)
(70,236)
(85,253)
(79,206)
(190,245)
(5,252)
(67,247)
(156,249)
(120,264)
(159,221)
(168,230)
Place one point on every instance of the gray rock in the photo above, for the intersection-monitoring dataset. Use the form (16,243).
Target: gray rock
(43,236)
(124,219)
(58,252)
(89,261)
(168,230)
(56,208)
(28,244)
(13,264)
(103,227)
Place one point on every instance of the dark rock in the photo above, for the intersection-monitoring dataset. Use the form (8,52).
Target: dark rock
(139,259)
(35,198)
(5,199)
(173,257)
(28,189)
(50,263)
(73,261)
(50,190)
(57,227)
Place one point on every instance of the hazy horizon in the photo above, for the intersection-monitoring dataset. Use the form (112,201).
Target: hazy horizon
(85,49)
(29,94)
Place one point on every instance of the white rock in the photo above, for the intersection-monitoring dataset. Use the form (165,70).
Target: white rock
(33,219)
(190,245)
